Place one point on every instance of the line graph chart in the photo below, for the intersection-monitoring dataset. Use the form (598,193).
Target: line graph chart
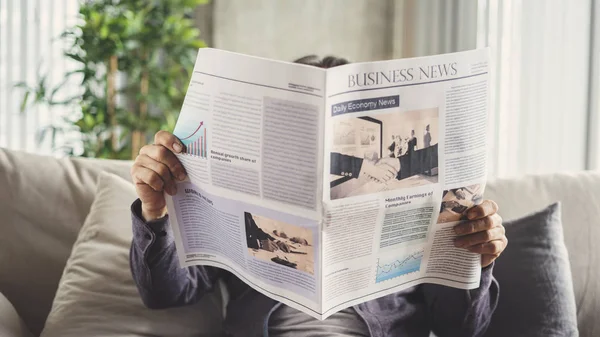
(391,267)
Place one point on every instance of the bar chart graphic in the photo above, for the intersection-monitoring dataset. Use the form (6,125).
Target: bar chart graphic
(196,142)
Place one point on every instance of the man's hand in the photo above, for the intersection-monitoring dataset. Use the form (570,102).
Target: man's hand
(393,162)
(380,171)
(483,233)
(155,170)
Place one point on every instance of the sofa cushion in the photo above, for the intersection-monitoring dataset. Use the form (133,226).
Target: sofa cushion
(579,194)
(536,290)
(43,202)
(97,295)
(11,325)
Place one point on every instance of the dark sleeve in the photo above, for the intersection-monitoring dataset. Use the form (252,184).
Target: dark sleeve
(456,312)
(161,282)
(344,165)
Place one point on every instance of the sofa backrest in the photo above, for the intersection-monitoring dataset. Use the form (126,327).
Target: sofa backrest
(579,194)
(43,204)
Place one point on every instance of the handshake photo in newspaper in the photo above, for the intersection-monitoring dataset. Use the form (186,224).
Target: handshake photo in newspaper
(382,170)
(359,161)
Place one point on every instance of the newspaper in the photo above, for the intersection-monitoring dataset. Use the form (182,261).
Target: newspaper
(326,188)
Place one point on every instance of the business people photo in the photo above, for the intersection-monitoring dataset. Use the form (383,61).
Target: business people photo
(358,168)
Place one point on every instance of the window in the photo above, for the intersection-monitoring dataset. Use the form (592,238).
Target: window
(29,45)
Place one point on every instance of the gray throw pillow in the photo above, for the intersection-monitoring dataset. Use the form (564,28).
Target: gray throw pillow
(536,288)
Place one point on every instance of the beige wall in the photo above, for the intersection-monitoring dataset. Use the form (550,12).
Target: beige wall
(360,30)
(286,30)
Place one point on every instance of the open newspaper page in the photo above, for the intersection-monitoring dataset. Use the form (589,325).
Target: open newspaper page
(405,157)
(253,131)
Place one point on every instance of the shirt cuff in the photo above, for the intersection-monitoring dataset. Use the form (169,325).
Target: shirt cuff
(486,275)
(487,285)
(153,235)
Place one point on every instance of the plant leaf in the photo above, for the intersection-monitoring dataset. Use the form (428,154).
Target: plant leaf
(24,101)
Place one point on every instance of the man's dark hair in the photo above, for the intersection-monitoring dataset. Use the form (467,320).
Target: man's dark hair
(326,62)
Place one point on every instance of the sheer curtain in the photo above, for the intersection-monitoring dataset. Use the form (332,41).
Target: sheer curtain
(593,160)
(544,107)
(29,45)
(540,97)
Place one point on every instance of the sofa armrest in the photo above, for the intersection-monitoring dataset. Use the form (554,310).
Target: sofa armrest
(11,324)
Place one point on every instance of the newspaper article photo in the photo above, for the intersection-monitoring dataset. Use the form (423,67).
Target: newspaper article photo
(383,152)
(280,242)
(457,201)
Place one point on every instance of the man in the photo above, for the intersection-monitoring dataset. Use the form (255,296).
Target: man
(427,137)
(399,146)
(413,312)
(412,143)
(392,147)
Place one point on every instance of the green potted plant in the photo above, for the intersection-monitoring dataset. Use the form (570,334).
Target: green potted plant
(134,60)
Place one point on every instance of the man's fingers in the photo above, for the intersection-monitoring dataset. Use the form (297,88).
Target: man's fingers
(494,247)
(486,260)
(169,141)
(387,171)
(479,225)
(496,233)
(143,175)
(391,170)
(486,208)
(165,156)
(162,170)
(392,162)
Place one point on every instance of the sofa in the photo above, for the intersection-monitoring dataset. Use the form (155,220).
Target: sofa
(44,203)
